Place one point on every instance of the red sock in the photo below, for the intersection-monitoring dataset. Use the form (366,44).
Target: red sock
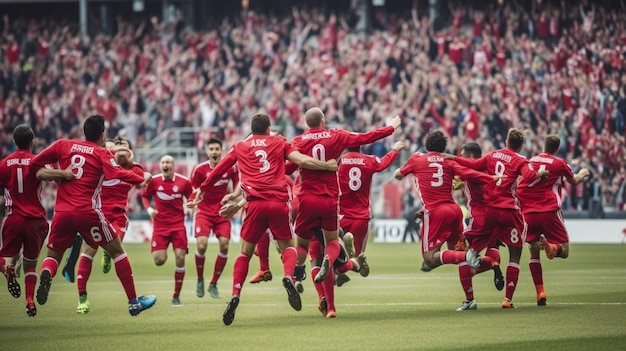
(537,273)
(220,263)
(348,266)
(179,276)
(200,265)
(83,272)
(332,251)
(318,286)
(240,271)
(358,243)
(289,258)
(465,274)
(51,265)
(30,280)
(263,251)
(125,274)
(452,256)
(512,274)
(329,289)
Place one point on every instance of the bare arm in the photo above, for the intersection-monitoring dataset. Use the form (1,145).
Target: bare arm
(397,174)
(307,162)
(55,174)
(578,177)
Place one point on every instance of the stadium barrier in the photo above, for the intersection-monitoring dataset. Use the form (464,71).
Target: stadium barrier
(600,231)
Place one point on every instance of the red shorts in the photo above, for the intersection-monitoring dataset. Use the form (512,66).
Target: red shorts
(18,231)
(162,238)
(316,212)
(120,224)
(204,223)
(504,224)
(440,225)
(295,206)
(359,228)
(92,226)
(262,215)
(549,224)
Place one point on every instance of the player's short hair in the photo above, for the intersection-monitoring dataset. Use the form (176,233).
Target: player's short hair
(473,149)
(314,117)
(214,141)
(260,123)
(552,144)
(23,135)
(515,139)
(120,140)
(93,127)
(436,141)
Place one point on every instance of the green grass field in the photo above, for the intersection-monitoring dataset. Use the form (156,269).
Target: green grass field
(396,308)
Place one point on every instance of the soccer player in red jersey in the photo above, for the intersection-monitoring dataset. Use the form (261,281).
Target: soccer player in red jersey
(114,202)
(504,218)
(261,160)
(541,206)
(25,225)
(355,181)
(443,219)
(319,197)
(206,217)
(168,218)
(78,207)
(478,210)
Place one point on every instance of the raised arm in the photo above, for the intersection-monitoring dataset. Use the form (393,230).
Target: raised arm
(391,156)
(578,177)
(228,161)
(356,139)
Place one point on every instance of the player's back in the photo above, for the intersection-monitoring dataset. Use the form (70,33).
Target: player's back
(23,190)
(475,193)
(507,163)
(433,177)
(261,162)
(114,194)
(355,181)
(544,195)
(322,144)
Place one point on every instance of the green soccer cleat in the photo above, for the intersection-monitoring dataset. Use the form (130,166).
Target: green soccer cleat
(83,304)
(213,291)
(106,263)
(200,288)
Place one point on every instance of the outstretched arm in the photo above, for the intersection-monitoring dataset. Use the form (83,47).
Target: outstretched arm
(578,177)
(355,139)
(391,156)
(307,162)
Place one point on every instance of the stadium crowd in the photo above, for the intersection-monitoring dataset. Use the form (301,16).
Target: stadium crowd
(553,68)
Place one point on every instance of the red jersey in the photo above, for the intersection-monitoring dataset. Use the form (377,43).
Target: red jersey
(168,199)
(91,164)
(326,144)
(545,195)
(505,162)
(355,181)
(211,202)
(261,161)
(433,177)
(22,189)
(115,194)
(475,195)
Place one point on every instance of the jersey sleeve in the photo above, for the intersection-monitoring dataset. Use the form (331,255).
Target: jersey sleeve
(196,179)
(478,164)
(112,170)
(470,174)
(49,155)
(408,167)
(290,167)
(358,139)
(188,190)
(528,172)
(386,161)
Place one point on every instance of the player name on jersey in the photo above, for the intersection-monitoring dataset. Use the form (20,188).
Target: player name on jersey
(352,161)
(18,162)
(82,149)
(542,159)
(502,156)
(315,136)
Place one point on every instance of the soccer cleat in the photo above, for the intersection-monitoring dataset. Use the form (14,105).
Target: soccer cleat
(261,276)
(299,287)
(70,261)
(341,279)
(292,294)
(348,241)
(200,288)
(331,314)
(547,247)
(213,291)
(12,284)
(45,281)
(106,263)
(506,304)
(31,309)
(83,304)
(323,306)
(176,301)
(498,278)
(472,258)
(542,299)
(140,304)
(299,273)
(425,267)
(468,305)
(364,268)
(229,314)
(324,269)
